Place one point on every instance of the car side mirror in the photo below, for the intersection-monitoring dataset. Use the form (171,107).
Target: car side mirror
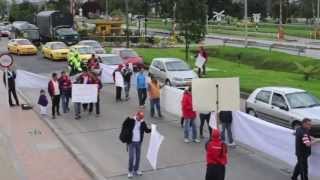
(163,70)
(284,107)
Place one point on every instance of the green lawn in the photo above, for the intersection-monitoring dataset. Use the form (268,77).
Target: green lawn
(250,77)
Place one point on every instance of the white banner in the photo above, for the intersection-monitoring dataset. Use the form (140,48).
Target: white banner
(171,100)
(274,140)
(119,82)
(200,61)
(154,146)
(107,71)
(84,93)
(27,79)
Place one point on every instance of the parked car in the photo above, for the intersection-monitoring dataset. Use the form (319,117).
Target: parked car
(84,51)
(21,47)
(284,106)
(55,50)
(172,71)
(129,56)
(4,31)
(96,46)
(110,59)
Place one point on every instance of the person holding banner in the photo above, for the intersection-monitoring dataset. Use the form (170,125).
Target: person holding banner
(96,80)
(119,82)
(65,89)
(11,84)
(201,61)
(54,92)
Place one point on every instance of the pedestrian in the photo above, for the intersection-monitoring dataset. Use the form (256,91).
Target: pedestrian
(85,78)
(226,122)
(93,65)
(54,92)
(204,118)
(65,90)
(154,96)
(132,133)
(142,87)
(96,80)
(217,157)
(304,141)
(11,75)
(119,82)
(127,73)
(202,52)
(43,102)
(189,116)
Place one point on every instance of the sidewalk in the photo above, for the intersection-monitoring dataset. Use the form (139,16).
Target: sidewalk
(29,150)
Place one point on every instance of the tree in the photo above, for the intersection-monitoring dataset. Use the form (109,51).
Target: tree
(191,17)
(3,7)
(22,12)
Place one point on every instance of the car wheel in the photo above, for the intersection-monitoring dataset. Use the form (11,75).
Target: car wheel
(51,57)
(295,125)
(252,112)
(168,83)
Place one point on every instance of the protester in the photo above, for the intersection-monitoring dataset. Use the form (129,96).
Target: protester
(154,95)
(96,80)
(204,117)
(65,90)
(43,102)
(93,65)
(216,157)
(132,133)
(119,82)
(11,76)
(202,52)
(54,92)
(226,121)
(84,78)
(142,87)
(189,116)
(127,73)
(304,141)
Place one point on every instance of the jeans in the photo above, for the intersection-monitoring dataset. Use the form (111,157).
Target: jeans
(97,106)
(226,126)
(203,70)
(126,88)
(301,168)
(65,102)
(216,172)
(190,124)
(12,90)
(204,118)
(77,109)
(134,156)
(155,103)
(118,93)
(55,105)
(142,95)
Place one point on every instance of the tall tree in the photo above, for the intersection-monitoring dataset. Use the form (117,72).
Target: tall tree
(22,12)
(191,17)
(3,7)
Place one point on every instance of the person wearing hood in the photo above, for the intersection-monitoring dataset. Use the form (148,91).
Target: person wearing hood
(216,156)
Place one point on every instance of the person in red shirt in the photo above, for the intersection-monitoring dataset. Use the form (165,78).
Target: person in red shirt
(65,90)
(217,157)
(189,116)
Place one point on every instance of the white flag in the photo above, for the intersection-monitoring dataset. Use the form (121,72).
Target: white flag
(154,146)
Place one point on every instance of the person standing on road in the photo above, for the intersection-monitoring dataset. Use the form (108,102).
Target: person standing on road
(189,116)
(304,141)
(11,76)
(127,73)
(119,82)
(96,80)
(54,92)
(226,121)
(65,90)
(136,127)
(217,157)
(204,117)
(142,87)
(154,95)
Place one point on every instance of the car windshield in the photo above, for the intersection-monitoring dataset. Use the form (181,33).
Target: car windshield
(92,44)
(65,31)
(177,66)
(111,60)
(128,53)
(59,46)
(24,42)
(31,34)
(302,100)
(86,50)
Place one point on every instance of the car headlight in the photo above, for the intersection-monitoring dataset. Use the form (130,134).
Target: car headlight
(61,37)
(178,79)
(76,37)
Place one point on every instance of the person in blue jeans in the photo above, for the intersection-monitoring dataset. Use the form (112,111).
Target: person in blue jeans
(142,87)
(65,90)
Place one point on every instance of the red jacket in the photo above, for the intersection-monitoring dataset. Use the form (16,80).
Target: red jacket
(187,109)
(51,89)
(216,150)
(65,83)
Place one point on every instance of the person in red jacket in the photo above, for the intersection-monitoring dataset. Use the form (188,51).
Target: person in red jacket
(54,92)
(217,157)
(189,116)
(65,90)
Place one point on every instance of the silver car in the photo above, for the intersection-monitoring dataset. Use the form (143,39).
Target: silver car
(172,71)
(284,106)
(96,46)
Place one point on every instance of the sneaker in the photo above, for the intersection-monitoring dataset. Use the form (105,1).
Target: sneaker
(138,173)
(130,175)
(201,137)
(196,141)
(232,144)
(186,140)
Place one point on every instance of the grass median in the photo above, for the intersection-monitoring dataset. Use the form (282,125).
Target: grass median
(250,76)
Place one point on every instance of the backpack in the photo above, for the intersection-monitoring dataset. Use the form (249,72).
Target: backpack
(125,132)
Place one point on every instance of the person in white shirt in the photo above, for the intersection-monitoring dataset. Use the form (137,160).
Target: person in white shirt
(54,92)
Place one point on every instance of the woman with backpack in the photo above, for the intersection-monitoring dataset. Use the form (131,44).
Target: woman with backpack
(216,157)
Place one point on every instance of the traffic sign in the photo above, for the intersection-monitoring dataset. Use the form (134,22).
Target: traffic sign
(6,60)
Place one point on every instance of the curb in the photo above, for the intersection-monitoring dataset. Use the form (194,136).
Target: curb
(92,171)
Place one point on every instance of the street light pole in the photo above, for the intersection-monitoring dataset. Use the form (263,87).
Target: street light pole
(127,22)
(318,12)
(107,8)
(280,16)
(246,21)
(145,18)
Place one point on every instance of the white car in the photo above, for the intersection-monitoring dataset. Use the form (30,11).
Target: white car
(172,71)
(96,46)
(284,106)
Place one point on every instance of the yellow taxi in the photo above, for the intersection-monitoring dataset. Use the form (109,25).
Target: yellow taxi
(85,52)
(21,47)
(55,50)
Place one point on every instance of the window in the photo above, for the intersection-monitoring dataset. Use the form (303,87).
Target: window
(263,96)
(302,100)
(161,66)
(156,64)
(278,100)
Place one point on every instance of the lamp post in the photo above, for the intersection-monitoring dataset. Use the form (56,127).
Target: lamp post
(246,21)
(145,18)
(318,12)
(107,8)
(127,22)
(280,16)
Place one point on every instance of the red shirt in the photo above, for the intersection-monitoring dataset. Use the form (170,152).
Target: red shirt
(216,150)
(187,109)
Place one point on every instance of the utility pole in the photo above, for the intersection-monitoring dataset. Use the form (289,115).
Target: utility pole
(246,21)
(127,22)
(145,18)
(280,17)
(107,8)
(318,12)
(174,18)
